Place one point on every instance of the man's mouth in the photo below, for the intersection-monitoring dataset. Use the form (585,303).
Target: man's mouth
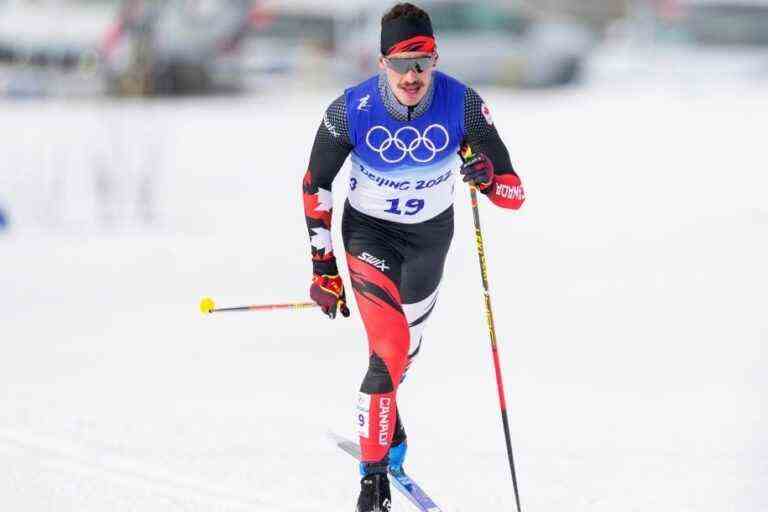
(411,89)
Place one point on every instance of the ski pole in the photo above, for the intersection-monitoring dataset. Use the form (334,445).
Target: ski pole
(466,154)
(207,306)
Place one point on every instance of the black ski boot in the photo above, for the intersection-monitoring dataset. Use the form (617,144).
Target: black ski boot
(374,494)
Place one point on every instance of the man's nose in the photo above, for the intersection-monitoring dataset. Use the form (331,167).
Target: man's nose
(411,75)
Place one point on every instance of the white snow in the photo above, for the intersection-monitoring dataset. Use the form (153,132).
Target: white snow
(630,296)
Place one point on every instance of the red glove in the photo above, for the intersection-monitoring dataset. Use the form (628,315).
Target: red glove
(328,292)
(478,171)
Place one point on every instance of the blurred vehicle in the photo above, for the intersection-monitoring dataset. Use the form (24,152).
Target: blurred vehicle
(290,37)
(176,46)
(48,47)
(149,47)
(479,42)
(51,33)
(691,41)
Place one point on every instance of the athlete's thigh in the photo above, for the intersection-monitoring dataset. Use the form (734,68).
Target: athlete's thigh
(424,258)
(424,261)
(375,265)
(421,274)
(375,271)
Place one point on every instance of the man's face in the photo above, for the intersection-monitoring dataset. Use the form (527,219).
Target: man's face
(409,87)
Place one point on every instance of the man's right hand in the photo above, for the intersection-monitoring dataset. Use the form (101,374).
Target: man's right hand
(328,292)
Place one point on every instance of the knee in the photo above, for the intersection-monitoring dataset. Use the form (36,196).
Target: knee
(384,373)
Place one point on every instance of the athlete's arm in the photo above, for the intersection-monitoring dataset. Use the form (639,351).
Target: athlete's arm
(330,150)
(505,188)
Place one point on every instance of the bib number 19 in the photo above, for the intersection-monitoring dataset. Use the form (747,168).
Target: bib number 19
(411,206)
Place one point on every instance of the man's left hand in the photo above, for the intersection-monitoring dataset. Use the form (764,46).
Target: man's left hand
(478,171)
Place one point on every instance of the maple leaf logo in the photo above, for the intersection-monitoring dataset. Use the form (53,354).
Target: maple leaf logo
(324,200)
(321,240)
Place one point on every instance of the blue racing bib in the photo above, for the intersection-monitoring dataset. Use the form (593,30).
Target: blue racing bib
(403,171)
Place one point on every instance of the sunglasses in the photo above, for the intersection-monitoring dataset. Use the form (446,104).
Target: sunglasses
(403,65)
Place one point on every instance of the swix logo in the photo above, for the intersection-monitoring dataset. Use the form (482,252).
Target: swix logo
(363,105)
(385,408)
(330,127)
(373,260)
(510,191)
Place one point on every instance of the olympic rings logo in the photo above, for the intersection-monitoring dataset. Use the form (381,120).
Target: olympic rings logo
(408,149)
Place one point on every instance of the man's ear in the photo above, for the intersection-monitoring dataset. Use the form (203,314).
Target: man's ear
(381,63)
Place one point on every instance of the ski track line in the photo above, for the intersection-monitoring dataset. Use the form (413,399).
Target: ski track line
(65,456)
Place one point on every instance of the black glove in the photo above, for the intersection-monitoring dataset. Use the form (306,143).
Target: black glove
(478,171)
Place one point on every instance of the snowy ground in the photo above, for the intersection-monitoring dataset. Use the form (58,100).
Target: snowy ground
(630,296)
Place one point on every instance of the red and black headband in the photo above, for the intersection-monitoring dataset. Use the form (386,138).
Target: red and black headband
(407,34)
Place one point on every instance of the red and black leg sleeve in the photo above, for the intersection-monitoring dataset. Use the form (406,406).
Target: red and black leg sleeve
(380,305)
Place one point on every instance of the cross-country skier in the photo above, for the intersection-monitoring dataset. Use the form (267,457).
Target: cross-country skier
(403,129)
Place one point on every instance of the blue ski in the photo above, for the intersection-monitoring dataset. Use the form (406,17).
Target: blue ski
(400,479)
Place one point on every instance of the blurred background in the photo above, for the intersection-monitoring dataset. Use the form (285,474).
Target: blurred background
(111,63)
(108,61)
(151,153)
